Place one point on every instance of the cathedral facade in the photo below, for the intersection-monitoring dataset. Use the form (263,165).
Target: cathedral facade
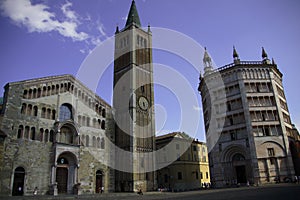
(57,136)
(247,122)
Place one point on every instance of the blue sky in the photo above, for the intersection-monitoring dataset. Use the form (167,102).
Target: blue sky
(41,38)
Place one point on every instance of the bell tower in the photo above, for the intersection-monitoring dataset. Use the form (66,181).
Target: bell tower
(133,102)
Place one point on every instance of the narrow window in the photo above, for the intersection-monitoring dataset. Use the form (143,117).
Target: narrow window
(179,176)
(228,106)
(102,143)
(232,134)
(143,89)
(35,111)
(271,152)
(23,109)
(32,133)
(51,136)
(103,124)
(20,132)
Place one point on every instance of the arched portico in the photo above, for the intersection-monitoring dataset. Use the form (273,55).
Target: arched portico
(236,165)
(66,173)
(66,153)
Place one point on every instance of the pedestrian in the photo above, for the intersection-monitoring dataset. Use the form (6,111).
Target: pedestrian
(35,191)
(102,189)
(140,192)
(296,179)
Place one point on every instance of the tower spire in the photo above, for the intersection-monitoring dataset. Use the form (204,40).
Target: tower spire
(133,16)
(235,55)
(264,55)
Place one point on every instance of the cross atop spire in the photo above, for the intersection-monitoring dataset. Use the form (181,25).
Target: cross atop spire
(133,16)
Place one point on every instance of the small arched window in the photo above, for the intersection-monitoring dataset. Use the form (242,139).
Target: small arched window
(51,136)
(65,112)
(103,124)
(23,109)
(25,93)
(26,134)
(46,135)
(94,141)
(32,133)
(103,112)
(102,143)
(20,132)
(35,111)
(87,141)
(41,134)
(53,114)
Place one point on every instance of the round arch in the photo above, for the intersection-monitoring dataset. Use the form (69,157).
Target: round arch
(18,181)
(68,133)
(66,112)
(66,172)
(275,145)
(230,151)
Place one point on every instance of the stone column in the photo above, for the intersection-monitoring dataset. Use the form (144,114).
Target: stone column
(53,189)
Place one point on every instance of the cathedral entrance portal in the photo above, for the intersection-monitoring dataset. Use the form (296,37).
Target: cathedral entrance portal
(99,177)
(240,168)
(66,173)
(18,184)
(62,180)
(241,174)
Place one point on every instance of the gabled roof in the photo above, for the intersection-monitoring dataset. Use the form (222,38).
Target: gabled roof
(173,135)
(178,135)
(133,16)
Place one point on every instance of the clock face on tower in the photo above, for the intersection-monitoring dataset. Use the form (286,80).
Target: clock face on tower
(143,103)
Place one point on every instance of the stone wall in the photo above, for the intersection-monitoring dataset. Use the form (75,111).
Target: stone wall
(34,158)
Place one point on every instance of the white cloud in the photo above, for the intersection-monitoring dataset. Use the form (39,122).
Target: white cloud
(38,18)
(101,29)
(82,51)
(67,12)
(96,41)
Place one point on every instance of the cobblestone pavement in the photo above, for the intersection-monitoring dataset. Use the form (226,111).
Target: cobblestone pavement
(274,192)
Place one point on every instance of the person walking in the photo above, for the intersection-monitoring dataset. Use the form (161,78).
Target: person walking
(35,191)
